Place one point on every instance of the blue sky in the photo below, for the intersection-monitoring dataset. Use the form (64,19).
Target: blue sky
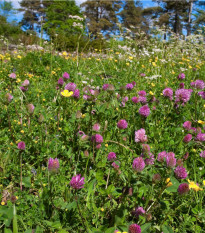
(18,17)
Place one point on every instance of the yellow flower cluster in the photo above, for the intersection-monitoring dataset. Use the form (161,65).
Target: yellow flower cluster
(66,93)
(169,183)
(194,186)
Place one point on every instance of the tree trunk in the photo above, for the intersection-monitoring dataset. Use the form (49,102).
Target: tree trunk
(189,19)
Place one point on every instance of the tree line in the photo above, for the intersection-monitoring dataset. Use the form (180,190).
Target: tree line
(63,21)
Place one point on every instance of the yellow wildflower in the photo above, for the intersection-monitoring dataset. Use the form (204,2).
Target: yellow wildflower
(128,64)
(3,203)
(201,122)
(130,58)
(83,115)
(168,182)
(194,186)
(106,145)
(151,93)
(102,209)
(66,93)
(204,182)
(153,84)
(143,66)
(154,64)
(11,143)
(19,57)
(22,131)
(190,67)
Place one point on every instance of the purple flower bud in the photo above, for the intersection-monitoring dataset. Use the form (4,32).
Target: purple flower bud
(60,81)
(111,156)
(187,125)
(202,154)
(138,211)
(134,228)
(77,182)
(122,124)
(144,111)
(76,94)
(21,145)
(135,99)
(8,97)
(183,188)
(138,164)
(24,89)
(66,75)
(53,165)
(12,75)
(181,76)
(26,83)
(142,93)
(70,86)
(129,86)
(140,135)
(161,156)
(180,173)
(171,160)
(187,138)
(96,127)
(30,108)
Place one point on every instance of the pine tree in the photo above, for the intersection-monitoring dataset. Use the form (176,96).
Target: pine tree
(59,20)
(32,12)
(132,17)
(101,16)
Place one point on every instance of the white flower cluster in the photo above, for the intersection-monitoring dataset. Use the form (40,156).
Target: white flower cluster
(78,25)
(76,17)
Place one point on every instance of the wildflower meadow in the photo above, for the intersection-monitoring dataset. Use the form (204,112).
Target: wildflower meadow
(109,141)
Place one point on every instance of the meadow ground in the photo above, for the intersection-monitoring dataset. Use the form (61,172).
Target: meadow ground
(107,143)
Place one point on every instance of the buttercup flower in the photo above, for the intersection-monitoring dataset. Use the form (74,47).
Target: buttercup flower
(66,93)
(194,186)
(53,165)
(77,182)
